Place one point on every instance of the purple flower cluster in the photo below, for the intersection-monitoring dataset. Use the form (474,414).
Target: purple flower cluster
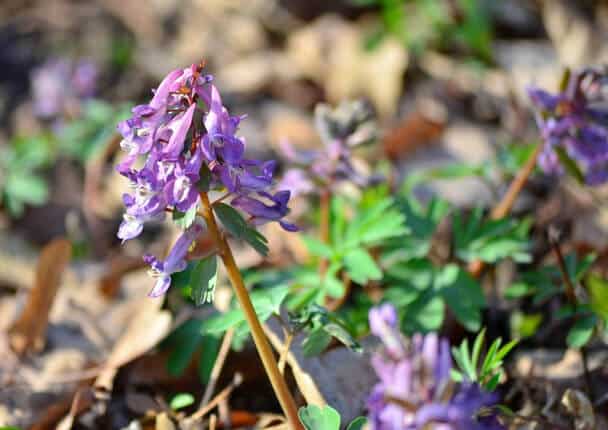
(575,121)
(415,391)
(59,85)
(188,143)
(340,129)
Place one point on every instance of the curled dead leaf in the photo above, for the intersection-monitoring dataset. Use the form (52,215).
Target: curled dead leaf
(28,333)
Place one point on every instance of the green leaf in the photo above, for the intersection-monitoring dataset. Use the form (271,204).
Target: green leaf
(184,341)
(424,314)
(463,294)
(266,302)
(317,248)
(27,188)
(455,374)
(492,383)
(210,346)
(519,289)
(181,400)
(465,358)
(315,418)
(185,219)
(361,267)
(203,280)
(488,362)
(598,289)
(233,221)
(477,347)
(341,334)
(315,343)
(357,424)
(218,324)
(581,331)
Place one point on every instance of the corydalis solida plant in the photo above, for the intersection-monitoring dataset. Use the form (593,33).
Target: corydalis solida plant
(190,146)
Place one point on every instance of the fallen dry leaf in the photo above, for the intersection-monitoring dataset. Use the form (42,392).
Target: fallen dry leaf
(415,131)
(29,331)
(148,326)
(163,422)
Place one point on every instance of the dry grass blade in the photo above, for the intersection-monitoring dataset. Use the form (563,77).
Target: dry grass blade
(28,333)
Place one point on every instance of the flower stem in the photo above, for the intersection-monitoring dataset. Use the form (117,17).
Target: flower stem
(324,206)
(503,208)
(259,338)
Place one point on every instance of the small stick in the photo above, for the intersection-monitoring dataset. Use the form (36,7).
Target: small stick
(217,366)
(325,213)
(561,263)
(287,344)
(503,208)
(198,415)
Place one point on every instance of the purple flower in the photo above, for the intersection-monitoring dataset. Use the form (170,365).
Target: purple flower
(186,135)
(175,261)
(342,128)
(414,389)
(262,213)
(572,121)
(60,85)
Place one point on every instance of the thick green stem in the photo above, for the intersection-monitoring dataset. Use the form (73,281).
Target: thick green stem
(259,338)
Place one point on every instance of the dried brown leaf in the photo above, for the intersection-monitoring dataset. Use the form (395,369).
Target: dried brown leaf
(28,333)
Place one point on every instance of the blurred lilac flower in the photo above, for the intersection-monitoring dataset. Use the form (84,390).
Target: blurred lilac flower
(574,121)
(60,85)
(415,390)
(348,125)
(177,137)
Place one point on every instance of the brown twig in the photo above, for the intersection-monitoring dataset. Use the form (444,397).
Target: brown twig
(217,366)
(289,336)
(198,415)
(324,214)
(561,263)
(503,208)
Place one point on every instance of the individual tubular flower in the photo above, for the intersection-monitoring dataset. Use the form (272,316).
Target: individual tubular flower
(340,129)
(574,122)
(188,142)
(415,391)
(175,261)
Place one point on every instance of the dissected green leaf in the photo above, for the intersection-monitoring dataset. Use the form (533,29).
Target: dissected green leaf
(361,267)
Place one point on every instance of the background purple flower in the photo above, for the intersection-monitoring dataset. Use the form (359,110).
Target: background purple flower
(572,121)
